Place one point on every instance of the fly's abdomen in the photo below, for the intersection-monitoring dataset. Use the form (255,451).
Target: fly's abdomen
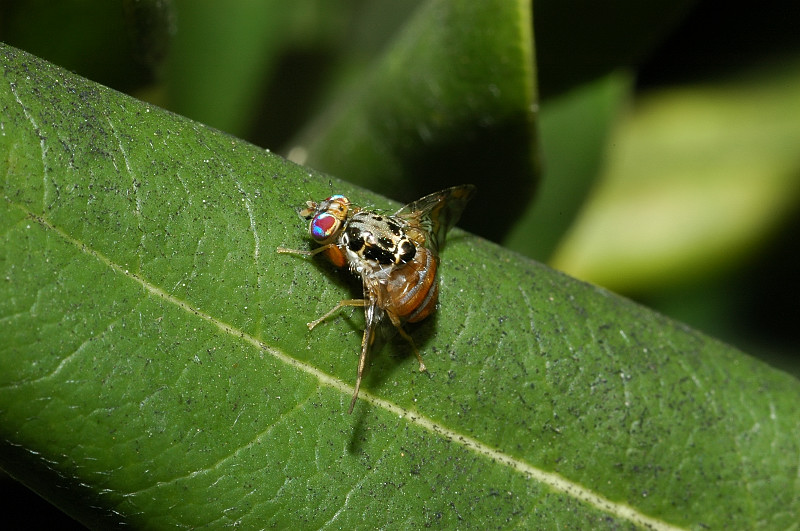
(413,288)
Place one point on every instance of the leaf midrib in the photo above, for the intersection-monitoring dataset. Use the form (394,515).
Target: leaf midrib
(552,480)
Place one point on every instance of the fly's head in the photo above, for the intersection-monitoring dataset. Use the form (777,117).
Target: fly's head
(328,218)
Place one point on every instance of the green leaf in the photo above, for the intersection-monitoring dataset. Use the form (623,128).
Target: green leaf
(698,178)
(258,68)
(575,129)
(221,57)
(155,368)
(452,99)
(119,43)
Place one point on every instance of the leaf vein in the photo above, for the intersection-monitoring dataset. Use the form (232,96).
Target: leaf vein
(42,143)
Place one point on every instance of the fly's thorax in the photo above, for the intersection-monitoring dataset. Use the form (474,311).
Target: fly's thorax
(374,240)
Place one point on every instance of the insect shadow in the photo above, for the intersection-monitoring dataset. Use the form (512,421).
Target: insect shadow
(385,363)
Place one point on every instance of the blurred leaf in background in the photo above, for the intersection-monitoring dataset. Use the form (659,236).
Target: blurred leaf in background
(696,177)
(120,43)
(689,156)
(701,177)
(451,100)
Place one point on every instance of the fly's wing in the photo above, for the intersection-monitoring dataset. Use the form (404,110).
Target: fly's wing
(435,214)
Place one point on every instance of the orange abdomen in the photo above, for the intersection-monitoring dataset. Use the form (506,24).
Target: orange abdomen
(413,289)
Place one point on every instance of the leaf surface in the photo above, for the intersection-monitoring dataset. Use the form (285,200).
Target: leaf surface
(156,369)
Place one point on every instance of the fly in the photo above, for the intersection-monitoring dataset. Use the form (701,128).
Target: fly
(396,256)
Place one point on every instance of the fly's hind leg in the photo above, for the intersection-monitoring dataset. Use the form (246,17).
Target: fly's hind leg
(397,324)
(342,304)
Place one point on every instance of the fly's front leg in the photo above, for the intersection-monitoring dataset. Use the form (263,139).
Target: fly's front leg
(342,304)
(397,324)
(284,250)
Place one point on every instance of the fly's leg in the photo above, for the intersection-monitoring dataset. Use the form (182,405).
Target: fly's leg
(397,324)
(348,302)
(366,344)
(284,250)
(342,304)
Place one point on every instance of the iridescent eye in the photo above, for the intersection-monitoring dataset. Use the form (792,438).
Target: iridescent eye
(323,226)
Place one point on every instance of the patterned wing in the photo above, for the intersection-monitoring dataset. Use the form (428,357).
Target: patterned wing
(435,214)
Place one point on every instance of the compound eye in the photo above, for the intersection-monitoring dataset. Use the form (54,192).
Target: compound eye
(324,226)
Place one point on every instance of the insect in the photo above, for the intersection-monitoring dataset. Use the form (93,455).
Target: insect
(396,256)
